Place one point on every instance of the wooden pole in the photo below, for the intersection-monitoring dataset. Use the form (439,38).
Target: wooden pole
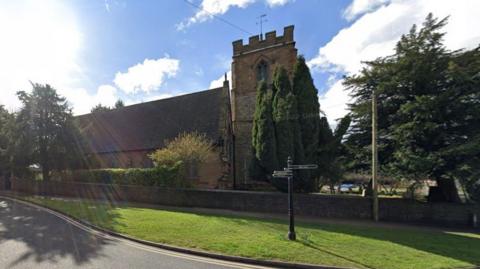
(374,157)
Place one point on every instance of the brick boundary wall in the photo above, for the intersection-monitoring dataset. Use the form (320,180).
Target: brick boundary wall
(310,205)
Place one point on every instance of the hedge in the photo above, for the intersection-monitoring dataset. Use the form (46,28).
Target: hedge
(161,176)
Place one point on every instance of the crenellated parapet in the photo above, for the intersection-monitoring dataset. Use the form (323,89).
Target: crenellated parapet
(271,40)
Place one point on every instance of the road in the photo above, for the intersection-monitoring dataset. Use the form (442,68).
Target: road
(31,237)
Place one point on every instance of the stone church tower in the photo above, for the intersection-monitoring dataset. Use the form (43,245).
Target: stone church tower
(251,63)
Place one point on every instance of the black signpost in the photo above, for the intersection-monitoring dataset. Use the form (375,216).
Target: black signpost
(288,173)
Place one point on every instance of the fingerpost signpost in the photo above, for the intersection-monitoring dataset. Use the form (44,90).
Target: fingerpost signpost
(288,174)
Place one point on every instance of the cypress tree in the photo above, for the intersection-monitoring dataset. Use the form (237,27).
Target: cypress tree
(263,133)
(285,117)
(308,108)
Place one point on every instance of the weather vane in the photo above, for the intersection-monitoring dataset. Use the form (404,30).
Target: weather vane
(261,20)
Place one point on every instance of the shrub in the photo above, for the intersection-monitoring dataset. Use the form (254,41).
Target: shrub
(189,149)
(186,148)
(160,176)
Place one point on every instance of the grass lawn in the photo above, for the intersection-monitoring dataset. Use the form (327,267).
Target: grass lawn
(349,245)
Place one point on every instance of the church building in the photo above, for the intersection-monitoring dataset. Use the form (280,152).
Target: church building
(124,137)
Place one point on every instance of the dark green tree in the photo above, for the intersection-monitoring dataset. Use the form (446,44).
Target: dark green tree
(331,152)
(285,117)
(119,103)
(22,147)
(15,149)
(263,134)
(45,122)
(100,108)
(287,128)
(6,140)
(308,108)
(429,120)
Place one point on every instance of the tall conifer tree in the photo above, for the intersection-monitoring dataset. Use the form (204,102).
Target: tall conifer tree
(308,108)
(285,117)
(263,133)
(287,128)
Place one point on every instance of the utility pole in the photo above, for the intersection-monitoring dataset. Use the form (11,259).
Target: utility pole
(261,20)
(374,157)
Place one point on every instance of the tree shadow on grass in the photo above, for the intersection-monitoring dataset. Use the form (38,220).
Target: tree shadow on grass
(446,244)
(310,244)
(99,212)
(47,237)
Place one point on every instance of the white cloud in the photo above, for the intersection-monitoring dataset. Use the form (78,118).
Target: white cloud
(358,7)
(210,8)
(82,101)
(217,83)
(275,3)
(147,76)
(375,34)
(371,36)
(40,42)
(334,102)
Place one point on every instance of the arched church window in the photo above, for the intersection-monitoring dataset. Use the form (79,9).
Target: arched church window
(262,71)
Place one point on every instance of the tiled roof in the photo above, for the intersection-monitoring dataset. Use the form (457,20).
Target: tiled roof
(147,126)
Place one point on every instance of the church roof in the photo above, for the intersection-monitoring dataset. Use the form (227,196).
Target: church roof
(147,126)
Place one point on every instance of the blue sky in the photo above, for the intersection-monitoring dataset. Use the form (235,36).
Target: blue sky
(133,31)
(98,51)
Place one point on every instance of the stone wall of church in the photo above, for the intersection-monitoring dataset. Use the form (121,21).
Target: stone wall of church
(274,51)
(128,159)
(211,174)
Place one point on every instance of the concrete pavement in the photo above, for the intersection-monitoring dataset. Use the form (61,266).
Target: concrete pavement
(31,237)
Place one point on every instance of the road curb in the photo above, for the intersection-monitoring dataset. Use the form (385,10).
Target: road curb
(250,261)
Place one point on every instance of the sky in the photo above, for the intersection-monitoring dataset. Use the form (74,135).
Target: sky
(98,51)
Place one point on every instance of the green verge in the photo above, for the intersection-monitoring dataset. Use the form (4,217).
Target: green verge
(347,245)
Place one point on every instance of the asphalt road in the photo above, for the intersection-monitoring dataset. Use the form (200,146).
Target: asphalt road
(31,237)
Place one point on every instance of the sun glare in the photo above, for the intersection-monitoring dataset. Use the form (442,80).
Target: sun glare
(41,42)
